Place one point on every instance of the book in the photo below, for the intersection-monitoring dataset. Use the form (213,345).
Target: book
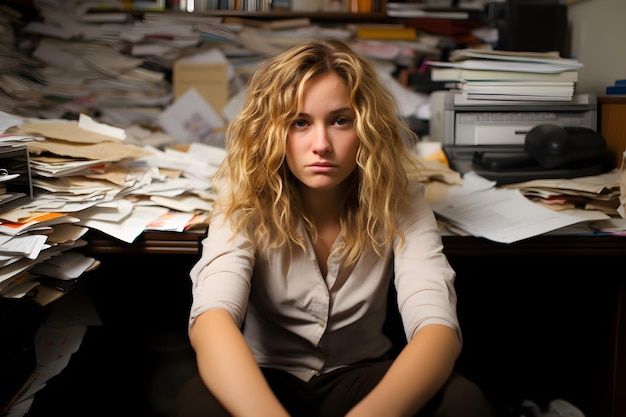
(424,10)
(551,57)
(448,27)
(517,90)
(517,97)
(386,33)
(518,87)
(104,17)
(460,74)
(435,14)
(274,24)
(618,88)
(503,65)
(217,31)
(361,6)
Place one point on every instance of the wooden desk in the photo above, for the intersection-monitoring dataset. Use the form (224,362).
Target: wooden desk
(545,264)
(148,243)
(584,262)
(612,117)
(162,243)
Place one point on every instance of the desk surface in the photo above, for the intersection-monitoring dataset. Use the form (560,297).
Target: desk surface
(187,243)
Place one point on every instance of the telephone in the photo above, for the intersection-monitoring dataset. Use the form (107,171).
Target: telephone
(549,151)
(549,146)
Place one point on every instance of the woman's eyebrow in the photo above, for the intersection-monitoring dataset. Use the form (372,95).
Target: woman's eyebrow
(332,112)
(342,110)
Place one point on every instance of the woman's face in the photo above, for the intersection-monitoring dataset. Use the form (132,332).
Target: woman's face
(322,142)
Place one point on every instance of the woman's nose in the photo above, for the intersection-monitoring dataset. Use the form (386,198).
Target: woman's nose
(321,144)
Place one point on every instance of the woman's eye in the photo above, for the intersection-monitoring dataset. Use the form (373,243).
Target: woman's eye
(299,123)
(342,121)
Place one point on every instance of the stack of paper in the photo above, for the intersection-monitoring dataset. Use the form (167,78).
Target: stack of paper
(26,242)
(598,192)
(425,10)
(508,75)
(505,215)
(518,90)
(86,177)
(86,169)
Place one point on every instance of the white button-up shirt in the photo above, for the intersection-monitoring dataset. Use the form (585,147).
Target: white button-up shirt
(299,321)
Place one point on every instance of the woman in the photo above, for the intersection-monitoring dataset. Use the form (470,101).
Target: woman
(315,219)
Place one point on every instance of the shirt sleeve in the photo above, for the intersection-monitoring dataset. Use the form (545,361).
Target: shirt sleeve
(424,279)
(221,277)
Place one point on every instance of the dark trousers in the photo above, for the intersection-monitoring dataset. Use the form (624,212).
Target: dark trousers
(335,393)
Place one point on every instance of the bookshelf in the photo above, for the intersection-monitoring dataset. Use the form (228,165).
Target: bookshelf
(139,8)
(348,11)
(274,14)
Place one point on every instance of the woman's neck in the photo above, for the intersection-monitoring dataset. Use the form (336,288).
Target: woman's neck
(324,206)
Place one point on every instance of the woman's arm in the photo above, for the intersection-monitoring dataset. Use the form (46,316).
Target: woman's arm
(228,368)
(427,302)
(420,370)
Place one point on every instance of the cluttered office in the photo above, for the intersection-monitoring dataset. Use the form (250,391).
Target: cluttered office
(114,121)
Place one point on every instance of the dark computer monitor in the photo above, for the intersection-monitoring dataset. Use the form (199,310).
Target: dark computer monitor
(534,25)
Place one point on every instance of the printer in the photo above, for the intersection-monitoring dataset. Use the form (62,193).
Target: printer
(467,128)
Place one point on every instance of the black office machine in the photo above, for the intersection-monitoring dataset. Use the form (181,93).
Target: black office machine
(490,137)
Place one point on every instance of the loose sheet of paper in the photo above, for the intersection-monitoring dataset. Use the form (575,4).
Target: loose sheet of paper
(503,215)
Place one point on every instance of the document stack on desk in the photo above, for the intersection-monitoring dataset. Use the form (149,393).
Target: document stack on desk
(597,192)
(509,75)
(121,189)
(37,248)
(85,177)
(505,215)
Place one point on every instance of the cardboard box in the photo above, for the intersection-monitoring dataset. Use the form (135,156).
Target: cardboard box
(210,79)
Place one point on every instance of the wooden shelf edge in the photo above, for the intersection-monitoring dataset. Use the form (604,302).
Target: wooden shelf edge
(188,243)
(550,245)
(274,14)
(148,243)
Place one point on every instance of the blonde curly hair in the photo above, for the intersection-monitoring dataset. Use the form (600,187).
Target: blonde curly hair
(260,195)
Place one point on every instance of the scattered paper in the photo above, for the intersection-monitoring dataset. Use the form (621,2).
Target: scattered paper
(192,119)
(503,215)
(90,125)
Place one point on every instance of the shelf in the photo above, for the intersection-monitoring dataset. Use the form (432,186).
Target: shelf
(188,243)
(317,16)
(331,16)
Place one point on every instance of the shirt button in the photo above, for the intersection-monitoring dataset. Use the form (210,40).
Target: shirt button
(322,323)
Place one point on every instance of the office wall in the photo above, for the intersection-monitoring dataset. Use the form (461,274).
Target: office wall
(599,41)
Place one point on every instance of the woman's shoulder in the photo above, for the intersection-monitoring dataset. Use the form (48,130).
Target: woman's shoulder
(415,193)
(415,188)
(414,202)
